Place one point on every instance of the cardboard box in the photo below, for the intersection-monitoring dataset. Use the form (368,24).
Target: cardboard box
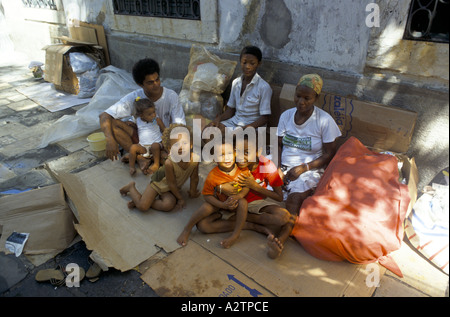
(91,33)
(44,214)
(376,126)
(57,63)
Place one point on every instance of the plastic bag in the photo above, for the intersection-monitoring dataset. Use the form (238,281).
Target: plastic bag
(207,78)
(195,101)
(87,71)
(212,105)
(214,73)
(112,84)
(189,106)
(16,242)
(36,69)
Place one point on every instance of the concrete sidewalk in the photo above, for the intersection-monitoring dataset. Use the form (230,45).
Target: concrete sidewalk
(22,123)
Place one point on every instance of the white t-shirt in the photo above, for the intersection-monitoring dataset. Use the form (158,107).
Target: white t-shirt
(149,132)
(254,102)
(303,143)
(168,109)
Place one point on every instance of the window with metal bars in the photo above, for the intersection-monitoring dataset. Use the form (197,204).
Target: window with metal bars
(42,4)
(428,21)
(175,9)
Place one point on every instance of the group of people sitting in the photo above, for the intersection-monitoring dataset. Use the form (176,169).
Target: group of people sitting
(248,193)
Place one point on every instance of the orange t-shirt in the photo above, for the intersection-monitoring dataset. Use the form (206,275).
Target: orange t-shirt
(217,177)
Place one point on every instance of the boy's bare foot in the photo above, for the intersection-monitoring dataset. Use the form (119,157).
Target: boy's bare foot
(275,246)
(126,189)
(183,238)
(255,227)
(228,242)
(132,171)
(153,168)
(131,205)
(144,163)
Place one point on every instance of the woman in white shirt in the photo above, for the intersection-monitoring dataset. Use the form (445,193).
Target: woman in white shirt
(306,142)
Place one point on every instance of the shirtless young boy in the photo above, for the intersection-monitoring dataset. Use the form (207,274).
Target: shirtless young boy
(176,174)
(207,217)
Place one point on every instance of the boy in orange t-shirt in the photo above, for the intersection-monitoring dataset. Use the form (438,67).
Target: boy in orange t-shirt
(266,211)
(207,216)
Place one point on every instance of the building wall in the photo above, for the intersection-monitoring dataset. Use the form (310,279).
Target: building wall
(296,37)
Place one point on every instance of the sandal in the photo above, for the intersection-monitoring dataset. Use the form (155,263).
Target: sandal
(93,271)
(54,276)
(81,273)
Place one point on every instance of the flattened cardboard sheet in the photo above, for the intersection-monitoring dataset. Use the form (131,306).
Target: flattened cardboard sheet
(294,274)
(123,238)
(194,271)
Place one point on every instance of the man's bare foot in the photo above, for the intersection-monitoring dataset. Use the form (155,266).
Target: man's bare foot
(126,158)
(228,242)
(126,189)
(183,238)
(275,246)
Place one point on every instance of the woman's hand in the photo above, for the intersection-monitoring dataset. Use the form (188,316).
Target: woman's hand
(295,172)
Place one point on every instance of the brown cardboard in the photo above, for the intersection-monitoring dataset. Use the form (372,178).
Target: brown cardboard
(92,33)
(202,274)
(85,34)
(294,273)
(44,214)
(195,271)
(375,125)
(123,239)
(57,65)
(411,175)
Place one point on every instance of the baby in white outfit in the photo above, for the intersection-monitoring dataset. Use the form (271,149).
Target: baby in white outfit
(150,129)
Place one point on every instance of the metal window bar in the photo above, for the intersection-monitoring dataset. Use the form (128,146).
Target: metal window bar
(177,9)
(42,4)
(428,21)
